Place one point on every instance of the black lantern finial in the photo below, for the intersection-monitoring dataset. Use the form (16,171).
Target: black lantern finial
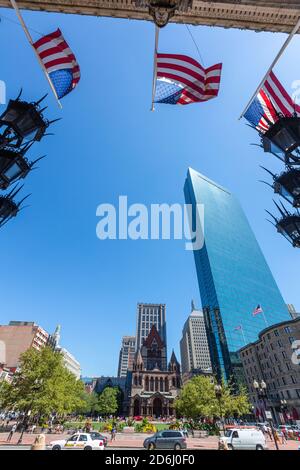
(8,207)
(288,224)
(14,165)
(22,120)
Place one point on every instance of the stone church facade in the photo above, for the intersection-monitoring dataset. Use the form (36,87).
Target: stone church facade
(154,385)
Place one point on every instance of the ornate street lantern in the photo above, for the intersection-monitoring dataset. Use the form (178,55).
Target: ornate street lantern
(287,185)
(163,10)
(14,165)
(288,225)
(8,207)
(22,120)
(283,138)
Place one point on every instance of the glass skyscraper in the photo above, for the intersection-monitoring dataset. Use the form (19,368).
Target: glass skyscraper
(233,275)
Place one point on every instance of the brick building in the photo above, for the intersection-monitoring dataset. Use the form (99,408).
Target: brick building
(18,337)
(275,359)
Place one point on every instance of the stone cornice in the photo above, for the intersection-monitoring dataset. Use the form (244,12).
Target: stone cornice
(256,15)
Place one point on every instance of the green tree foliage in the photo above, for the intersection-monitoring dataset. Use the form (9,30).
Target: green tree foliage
(90,403)
(198,400)
(107,401)
(43,385)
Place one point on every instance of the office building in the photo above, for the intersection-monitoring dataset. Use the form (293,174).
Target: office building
(233,275)
(149,315)
(69,360)
(18,337)
(194,350)
(126,356)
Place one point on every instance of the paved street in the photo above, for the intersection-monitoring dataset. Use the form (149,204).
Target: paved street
(130,442)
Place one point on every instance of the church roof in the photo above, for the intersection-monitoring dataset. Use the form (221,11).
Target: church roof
(138,358)
(173,359)
(153,335)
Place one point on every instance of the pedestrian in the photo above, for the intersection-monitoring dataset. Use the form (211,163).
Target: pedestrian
(12,431)
(276,436)
(269,431)
(283,439)
(113,434)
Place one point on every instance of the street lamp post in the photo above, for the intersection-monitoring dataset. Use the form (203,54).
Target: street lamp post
(219,393)
(261,390)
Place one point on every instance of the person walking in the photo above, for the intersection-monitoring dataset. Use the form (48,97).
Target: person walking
(113,434)
(283,439)
(12,431)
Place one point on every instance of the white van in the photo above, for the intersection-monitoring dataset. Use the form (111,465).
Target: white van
(245,439)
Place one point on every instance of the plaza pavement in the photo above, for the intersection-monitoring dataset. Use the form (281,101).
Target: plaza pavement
(134,441)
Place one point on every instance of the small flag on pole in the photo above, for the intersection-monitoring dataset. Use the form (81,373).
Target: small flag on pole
(238,328)
(59,61)
(257,311)
(271,100)
(182,80)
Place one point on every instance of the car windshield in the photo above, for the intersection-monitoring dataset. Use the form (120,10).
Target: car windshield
(228,433)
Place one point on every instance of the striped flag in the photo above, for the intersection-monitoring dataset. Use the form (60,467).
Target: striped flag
(257,310)
(59,61)
(238,328)
(182,80)
(271,100)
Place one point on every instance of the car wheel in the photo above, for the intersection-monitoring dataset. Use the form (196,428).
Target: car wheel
(259,447)
(151,446)
(177,447)
(88,448)
(56,448)
(230,447)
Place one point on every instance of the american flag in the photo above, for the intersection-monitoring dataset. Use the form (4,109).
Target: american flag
(238,328)
(257,310)
(271,100)
(59,61)
(182,80)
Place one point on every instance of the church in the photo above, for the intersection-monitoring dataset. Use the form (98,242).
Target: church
(154,384)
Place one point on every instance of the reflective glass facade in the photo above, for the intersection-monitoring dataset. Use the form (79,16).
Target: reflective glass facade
(233,275)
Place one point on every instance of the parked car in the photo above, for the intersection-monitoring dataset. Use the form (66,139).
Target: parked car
(175,440)
(78,441)
(95,435)
(245,439)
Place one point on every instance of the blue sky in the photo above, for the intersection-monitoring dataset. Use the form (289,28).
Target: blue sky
(54,269)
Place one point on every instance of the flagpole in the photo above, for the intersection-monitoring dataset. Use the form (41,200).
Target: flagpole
(155,67)
(284,46)
(244,338)
(267,324)
(28,35)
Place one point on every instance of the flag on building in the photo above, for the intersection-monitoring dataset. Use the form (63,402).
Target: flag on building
(59,61)
(271,101)
(238,328)
(182,80)
(257,310)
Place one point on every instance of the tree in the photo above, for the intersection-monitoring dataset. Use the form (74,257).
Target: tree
(108,401)
(198,400)
(43,385)
(90,403)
